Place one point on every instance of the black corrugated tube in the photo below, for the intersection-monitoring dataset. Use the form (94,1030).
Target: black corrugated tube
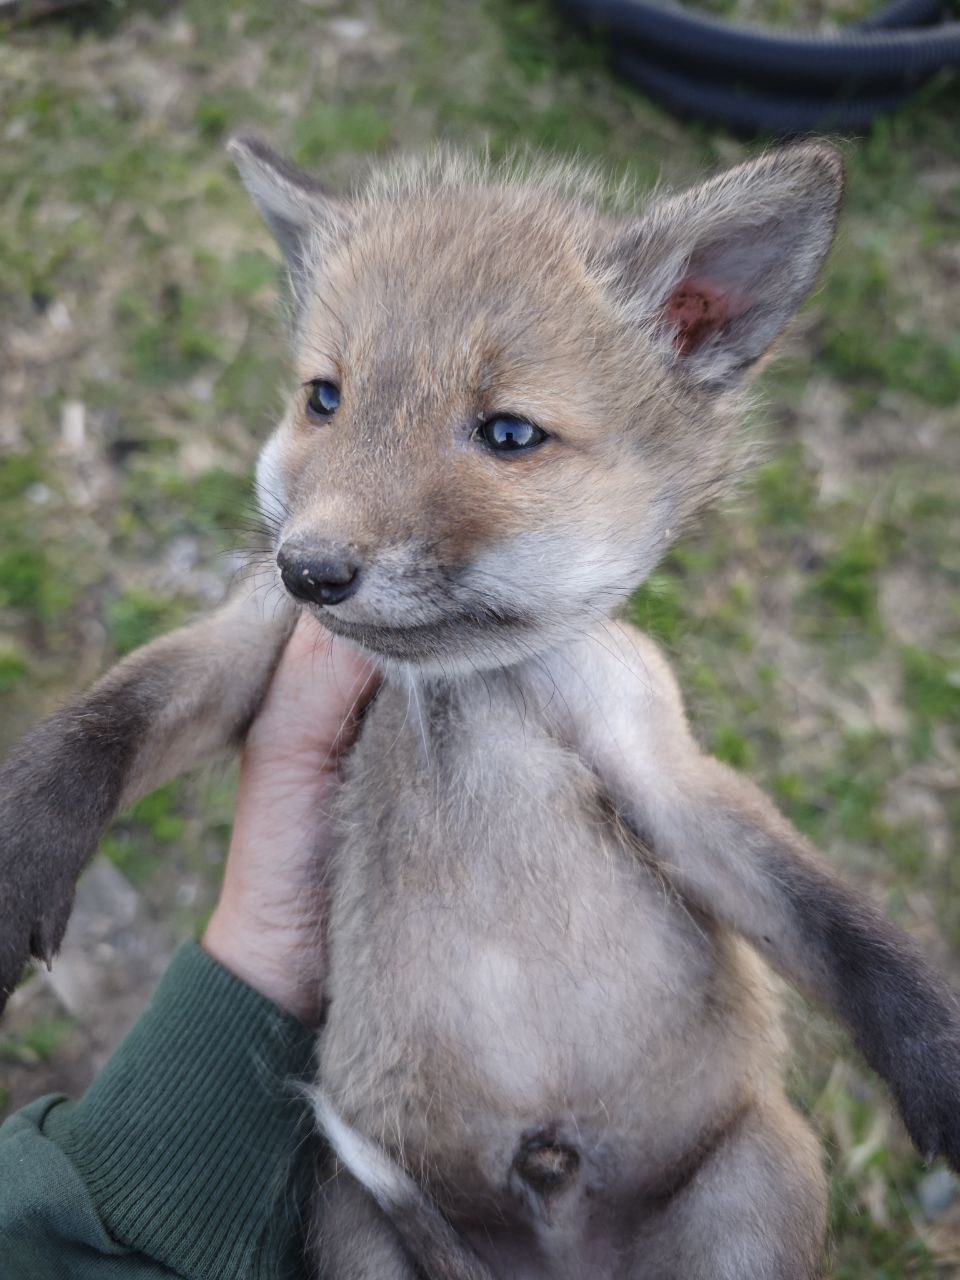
(903,13)
(755,80)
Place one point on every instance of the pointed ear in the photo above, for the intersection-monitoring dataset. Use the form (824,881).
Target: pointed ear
(718,271)
(291,202)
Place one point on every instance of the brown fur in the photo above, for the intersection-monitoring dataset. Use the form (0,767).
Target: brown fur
(551,1050)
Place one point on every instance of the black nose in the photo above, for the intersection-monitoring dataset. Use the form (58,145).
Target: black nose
(325,577)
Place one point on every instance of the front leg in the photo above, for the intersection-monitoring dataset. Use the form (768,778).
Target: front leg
(166,707)
(728,851)
(726,848)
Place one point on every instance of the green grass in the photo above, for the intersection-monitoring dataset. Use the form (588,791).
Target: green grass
(137,616)
(931,690)
(658,607)
(785,492)
(847,584)
(814,624)
(327,129)
(39,1043)
(879,343)
(932,685)
(33,577)
(140,837)
(14,667)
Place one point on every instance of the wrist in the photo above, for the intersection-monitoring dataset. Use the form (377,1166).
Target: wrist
(284,966)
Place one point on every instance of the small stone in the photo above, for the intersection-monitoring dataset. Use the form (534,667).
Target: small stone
(349,30)
(936,1192)
(187,893)
(73,424)
(182,555)
(201,388)
(58,317)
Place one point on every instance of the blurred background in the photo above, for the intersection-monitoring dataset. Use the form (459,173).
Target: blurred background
(814,622)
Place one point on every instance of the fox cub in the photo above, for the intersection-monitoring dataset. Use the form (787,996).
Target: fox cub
(551,1050)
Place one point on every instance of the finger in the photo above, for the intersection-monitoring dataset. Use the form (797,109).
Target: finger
(343,677)
(319,689)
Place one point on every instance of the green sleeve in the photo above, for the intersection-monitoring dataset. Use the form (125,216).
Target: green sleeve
(189,1155)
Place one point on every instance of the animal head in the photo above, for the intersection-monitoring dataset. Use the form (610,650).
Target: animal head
(510,399)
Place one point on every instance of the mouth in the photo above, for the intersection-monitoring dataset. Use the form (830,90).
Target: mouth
(456,633)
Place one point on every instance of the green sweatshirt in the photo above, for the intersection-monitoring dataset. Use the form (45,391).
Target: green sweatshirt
(190,1155)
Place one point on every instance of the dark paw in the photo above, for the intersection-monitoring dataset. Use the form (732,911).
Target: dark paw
(928,1094)
(33,920)
(58,791)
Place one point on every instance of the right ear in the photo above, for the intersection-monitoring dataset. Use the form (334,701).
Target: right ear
(291,202)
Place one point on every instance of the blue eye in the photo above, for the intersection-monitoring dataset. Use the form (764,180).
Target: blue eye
(323,399)
(506,433)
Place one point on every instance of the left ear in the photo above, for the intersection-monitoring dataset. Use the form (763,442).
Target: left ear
(718,271)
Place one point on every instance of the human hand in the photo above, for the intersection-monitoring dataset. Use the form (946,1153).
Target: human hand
(267,926)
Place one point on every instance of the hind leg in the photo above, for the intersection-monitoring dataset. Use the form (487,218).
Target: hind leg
(754,1210)
(353,1240)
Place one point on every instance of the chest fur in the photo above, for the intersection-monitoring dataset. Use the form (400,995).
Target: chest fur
(496,940)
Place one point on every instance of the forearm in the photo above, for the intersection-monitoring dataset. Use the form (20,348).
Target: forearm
(728,850)
(172,704)
(189,1154)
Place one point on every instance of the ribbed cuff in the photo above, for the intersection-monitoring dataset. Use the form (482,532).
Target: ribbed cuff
(192,1140)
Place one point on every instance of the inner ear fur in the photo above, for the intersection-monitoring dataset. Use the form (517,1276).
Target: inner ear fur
(718,271)
(291,201)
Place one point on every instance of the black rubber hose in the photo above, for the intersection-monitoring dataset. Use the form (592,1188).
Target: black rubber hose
(852,58)
(751,111)
(902,13)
